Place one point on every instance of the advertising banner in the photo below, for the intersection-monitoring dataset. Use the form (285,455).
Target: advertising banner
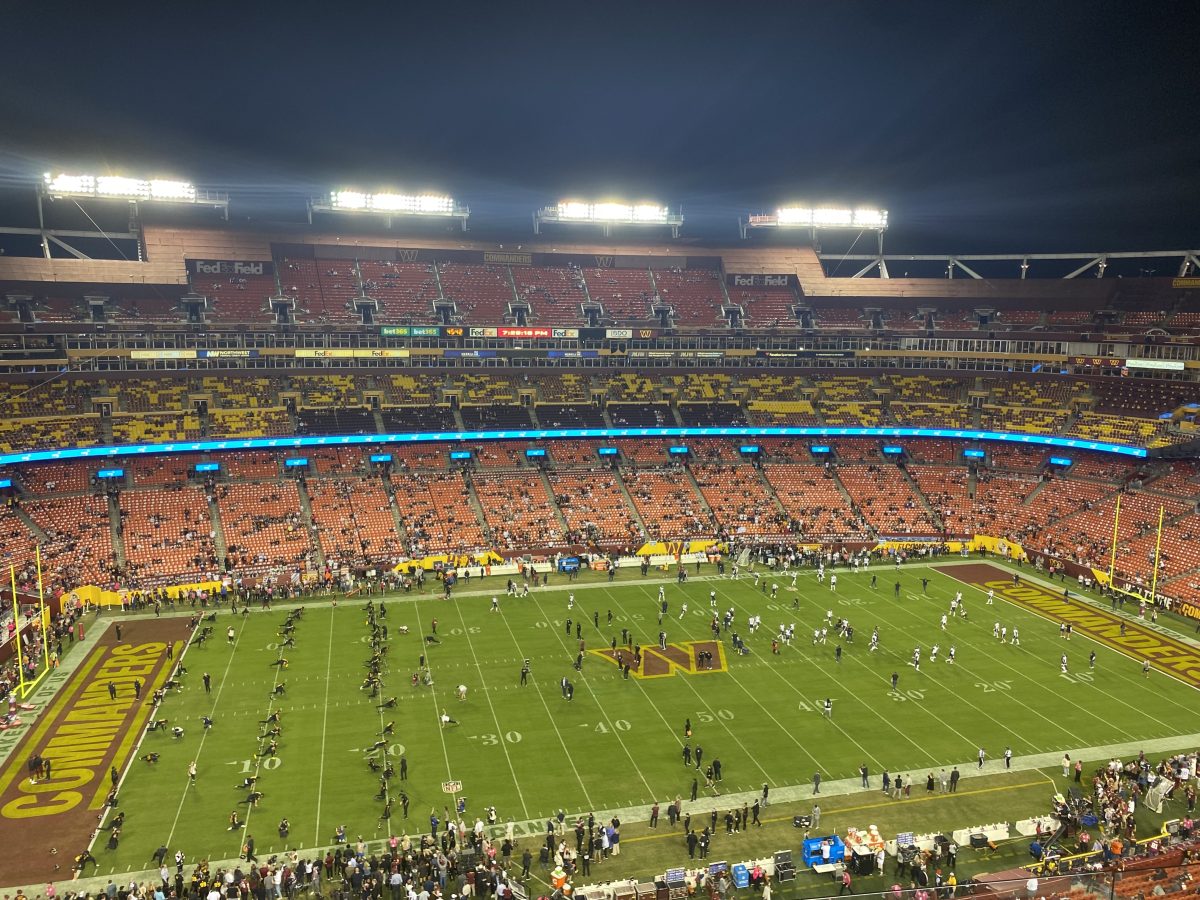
(229,267)
(350,353)
(410,331)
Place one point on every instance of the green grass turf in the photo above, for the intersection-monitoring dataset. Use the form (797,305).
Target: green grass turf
(617,744)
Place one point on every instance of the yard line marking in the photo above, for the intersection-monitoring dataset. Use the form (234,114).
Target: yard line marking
(387,792)
(710,709)
(1118,672)
(600,706)
(324,722)
(860,700)
(960,697)
(433,690)
(258,757)
(786,731)
(204,732)
(553,721)
(1027,677)
(962,667)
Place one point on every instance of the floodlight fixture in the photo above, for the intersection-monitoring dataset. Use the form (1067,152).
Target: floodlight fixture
(608,213)
(122,187)
(131,190)
(817,218)
(388,204)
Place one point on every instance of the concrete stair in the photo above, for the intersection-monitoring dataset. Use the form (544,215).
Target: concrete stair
(306,519)
(114,523)
(473,499)
(34,528)
(920,495)
(850,502)
(691,479)
(218,529)
(562,520)
(396,518)
(633,510)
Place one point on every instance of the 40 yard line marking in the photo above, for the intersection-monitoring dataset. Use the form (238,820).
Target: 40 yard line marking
(599,706)
(550,716)
(707,706)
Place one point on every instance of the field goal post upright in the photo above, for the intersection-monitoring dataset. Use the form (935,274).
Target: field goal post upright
(1157,551)
(1112,560)
(12,576)
(42,608)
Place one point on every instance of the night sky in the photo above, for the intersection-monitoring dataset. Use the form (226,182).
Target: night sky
(979,125)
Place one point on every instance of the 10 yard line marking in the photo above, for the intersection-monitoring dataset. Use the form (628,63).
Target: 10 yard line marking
(324,721)
(204,733)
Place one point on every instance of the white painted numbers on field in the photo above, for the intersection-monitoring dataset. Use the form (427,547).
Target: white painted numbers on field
(491,740)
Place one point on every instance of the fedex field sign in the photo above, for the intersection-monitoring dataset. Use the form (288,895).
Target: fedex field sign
(229,267)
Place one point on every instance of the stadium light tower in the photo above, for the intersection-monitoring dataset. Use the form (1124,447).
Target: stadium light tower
(134,190)
(115,189)
(607,214)
(821,218)
(387,206)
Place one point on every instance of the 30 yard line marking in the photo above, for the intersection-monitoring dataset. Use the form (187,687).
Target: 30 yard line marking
(495,717)
(324,721)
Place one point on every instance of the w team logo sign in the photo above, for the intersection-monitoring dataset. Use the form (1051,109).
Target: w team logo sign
(681,657)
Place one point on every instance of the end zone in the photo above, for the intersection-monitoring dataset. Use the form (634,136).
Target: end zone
(83,732)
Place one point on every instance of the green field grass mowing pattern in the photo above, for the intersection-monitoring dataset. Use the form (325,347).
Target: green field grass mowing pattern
(618,742)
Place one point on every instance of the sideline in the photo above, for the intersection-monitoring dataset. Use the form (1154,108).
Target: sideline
(791,793)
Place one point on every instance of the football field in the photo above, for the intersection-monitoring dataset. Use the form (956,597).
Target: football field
(618,742)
